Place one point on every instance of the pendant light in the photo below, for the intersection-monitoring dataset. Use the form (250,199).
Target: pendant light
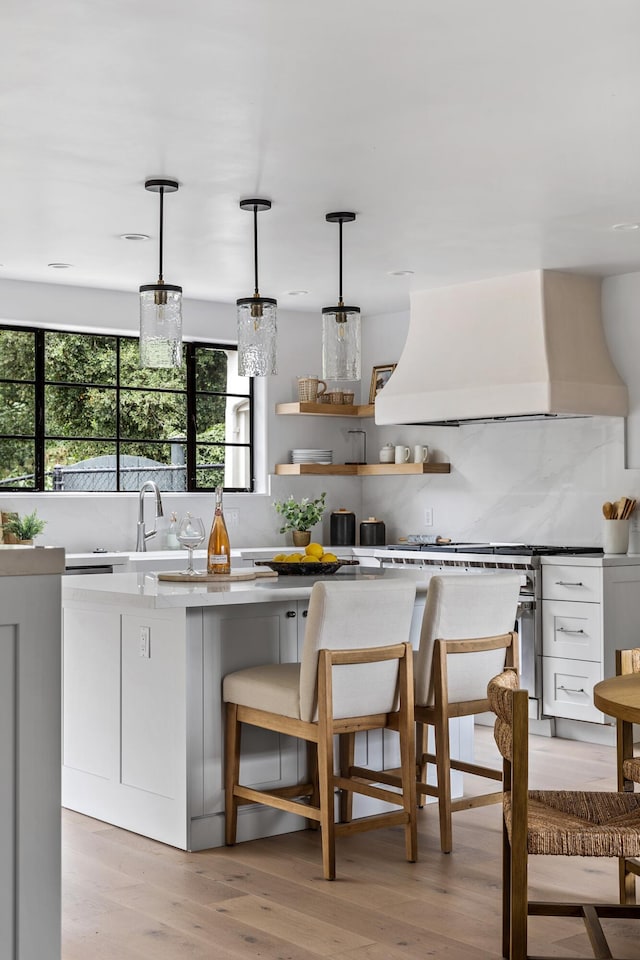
(340,328)
(161,304)
(257,316)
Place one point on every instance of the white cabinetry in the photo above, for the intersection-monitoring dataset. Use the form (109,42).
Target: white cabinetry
(143,726)
(30,761)
(589,609)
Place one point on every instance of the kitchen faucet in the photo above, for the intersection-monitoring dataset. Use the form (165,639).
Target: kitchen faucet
(143,535)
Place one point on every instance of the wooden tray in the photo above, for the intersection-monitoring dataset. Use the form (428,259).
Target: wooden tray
(177,576)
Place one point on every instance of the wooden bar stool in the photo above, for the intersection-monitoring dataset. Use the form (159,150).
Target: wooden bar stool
(466,638)
(355,675)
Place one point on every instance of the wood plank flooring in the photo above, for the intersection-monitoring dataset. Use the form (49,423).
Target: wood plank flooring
(129,898)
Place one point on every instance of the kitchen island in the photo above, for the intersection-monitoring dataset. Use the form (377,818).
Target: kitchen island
(30,752)
(143,662)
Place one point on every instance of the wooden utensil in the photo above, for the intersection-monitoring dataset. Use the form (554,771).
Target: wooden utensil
(607,510)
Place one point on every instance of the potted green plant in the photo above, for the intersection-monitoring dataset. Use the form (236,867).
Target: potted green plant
(300,516)
(25,528)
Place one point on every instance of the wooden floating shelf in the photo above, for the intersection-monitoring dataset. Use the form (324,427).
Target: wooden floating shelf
(360,469)
(327,409)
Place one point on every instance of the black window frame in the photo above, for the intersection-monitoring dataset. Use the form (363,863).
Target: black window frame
(191,393)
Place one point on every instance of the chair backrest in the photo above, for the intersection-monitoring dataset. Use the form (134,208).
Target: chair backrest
(628,661)
(511,733)
(460,608)
(352,615)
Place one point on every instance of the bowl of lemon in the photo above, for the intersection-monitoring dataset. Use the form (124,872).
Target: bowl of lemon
(314,562)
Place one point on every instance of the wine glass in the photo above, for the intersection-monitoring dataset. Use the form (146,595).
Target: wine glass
(191,535)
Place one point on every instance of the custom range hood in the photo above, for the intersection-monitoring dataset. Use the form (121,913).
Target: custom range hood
(528,346)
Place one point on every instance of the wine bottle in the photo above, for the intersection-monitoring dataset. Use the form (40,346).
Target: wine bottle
(219,548)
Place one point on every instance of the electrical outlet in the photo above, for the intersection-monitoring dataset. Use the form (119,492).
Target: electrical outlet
(428,517)
(145,642)
(232,517)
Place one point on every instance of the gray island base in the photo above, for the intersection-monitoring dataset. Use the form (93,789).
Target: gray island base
(143,662)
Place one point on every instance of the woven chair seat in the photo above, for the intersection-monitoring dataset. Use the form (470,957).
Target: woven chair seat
(580,824)
(631,769)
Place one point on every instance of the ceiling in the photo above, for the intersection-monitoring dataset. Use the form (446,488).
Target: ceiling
(471,139)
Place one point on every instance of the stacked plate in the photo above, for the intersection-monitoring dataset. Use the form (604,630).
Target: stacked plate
(302,455)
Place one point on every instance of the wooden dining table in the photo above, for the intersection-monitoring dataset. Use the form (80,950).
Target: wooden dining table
(619,697)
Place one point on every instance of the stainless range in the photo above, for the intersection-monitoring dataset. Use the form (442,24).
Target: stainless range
(443,558)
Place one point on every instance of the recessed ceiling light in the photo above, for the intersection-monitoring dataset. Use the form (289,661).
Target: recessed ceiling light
(296,293)
(400,273)
(60,266)
(626,227)
(135,236)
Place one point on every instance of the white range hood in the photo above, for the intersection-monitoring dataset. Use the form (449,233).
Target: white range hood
(523,346)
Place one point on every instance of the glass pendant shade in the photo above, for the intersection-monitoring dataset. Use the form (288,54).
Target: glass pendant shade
(160,325)
(341,327)
(341,343)
(161,304)
(257,337)
(257,316)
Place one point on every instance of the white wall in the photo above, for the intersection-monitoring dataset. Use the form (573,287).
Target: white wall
(530,482)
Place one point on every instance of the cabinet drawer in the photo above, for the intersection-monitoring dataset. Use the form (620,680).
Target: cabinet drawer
(571,630)
(567,582)
(567,687)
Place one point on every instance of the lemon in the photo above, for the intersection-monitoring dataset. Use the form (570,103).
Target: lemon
(294,558)
(329,558)
(309,559)
(280,557)
(314,550)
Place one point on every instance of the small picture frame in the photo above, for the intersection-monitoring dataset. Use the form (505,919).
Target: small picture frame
(379,377)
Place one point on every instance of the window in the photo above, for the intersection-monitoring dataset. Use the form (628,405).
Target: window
(77,413)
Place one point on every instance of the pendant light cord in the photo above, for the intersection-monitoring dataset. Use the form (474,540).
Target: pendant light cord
(340,271)
(255,248)
(160,280)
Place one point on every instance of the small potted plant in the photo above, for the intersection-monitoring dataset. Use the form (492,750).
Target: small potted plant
(300,516)
(24,529)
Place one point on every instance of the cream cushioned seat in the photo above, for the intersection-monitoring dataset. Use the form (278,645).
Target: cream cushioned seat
(274,687)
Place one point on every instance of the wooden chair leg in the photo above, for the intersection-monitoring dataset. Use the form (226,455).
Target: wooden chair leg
(443,766)
(519,909)
(347,751)
(327,816)
(627,883)
(422,745)
(312,777)
(407,761)
(506,893)
(231,772)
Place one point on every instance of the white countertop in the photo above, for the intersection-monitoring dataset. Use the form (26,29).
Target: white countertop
(19,561)
(146,591)
(605,560)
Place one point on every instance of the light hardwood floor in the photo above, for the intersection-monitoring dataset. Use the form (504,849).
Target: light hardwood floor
(129,898)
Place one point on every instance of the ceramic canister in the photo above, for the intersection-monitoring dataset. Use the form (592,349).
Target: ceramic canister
(342,526)
(372,533)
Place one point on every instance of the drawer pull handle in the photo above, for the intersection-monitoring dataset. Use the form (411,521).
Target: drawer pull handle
(291,614)
(571,690)
(569,583)
(567,630)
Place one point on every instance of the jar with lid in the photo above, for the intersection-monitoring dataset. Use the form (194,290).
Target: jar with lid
(372,533)
(342,526)
(387,453)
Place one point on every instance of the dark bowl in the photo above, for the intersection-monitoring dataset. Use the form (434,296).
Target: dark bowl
(303,569)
